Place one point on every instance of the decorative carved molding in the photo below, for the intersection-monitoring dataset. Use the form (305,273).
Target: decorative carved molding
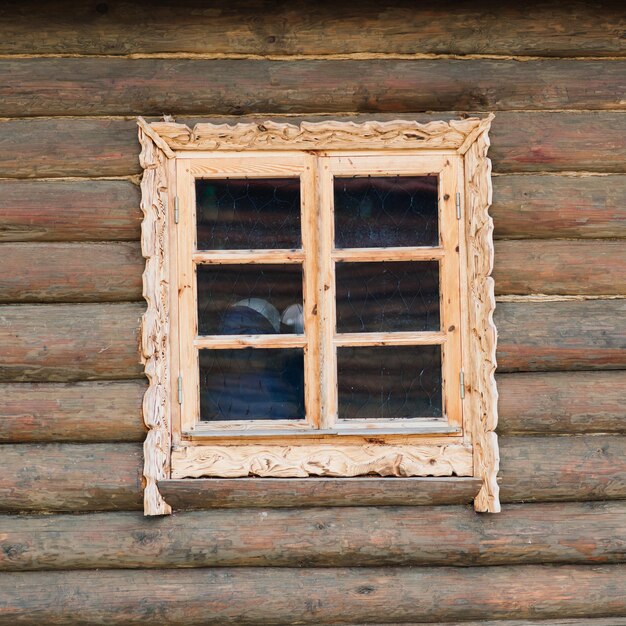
(155,322)
(483,396)
(321,460)
(330,135)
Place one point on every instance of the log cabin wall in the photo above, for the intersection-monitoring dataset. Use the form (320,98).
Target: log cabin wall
(74,545)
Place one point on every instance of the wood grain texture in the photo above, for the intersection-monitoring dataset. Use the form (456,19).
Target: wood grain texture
(545,207)
(573,533)
(521,142)
(592,267)
(70,477)
(69,210)
(70,272)
(336,459)
(304,27)
(591,467)
(481,338)
(108,86)
(88,411)
(562,402)
(155,322)
(203,493)
(311,595)
(65,342)
(552,336)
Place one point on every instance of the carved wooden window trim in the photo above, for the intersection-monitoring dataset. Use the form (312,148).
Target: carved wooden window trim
(169,451)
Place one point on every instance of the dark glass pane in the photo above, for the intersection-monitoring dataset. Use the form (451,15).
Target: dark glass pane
(249,299)
(385,382)
(387,296)
(251,384)
(241,214)
(373,212)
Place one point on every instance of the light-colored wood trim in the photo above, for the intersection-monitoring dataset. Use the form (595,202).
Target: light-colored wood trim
(387,254)
(247,257)
(250,165)
(321,460)
(158,141)
(230,342)
(326,135)
(482,338)
(390,339)
(187,298)
(155,343)
(326,296)
(386,165)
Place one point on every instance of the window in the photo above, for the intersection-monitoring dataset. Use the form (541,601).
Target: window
(319,302)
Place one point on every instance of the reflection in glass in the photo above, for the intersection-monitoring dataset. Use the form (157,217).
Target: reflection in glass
(386,211)
(249,299)
(387,296)
(386,382)
(251,384)
(241,214)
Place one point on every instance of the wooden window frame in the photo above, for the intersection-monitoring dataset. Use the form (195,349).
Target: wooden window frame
(176,445)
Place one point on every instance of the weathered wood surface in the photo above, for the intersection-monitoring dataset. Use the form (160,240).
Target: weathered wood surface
(551,336)
(524,207)
(562,402)
(64,342)
(520,142)
(535,206)
(109,272)
(557,402)
(591,467)
(69,210)
(88,411)
(248,596)
(68,477)
(562,533)
(71,272)
(584,621)
(300,28)
(98,86)
(592,267)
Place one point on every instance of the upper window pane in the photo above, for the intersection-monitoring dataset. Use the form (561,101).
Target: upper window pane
(244,213)
(386,211)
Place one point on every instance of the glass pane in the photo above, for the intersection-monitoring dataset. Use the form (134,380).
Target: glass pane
(251,384)
(249,299)
(386,211)
(241,214)
(387,296)
(385,382)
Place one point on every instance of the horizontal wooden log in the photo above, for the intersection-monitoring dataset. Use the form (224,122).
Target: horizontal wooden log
(68,477)
(534,206)
(71,272)
(583,621)
(97,86)
(86,210)
(312,492)
(64,342)
(326,537)
(521,142)
(249,596)
(301,27)
(594,267)
(591,467)
(89,411)
(561,402)
(552,336)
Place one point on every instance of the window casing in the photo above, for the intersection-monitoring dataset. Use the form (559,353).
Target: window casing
(323,442)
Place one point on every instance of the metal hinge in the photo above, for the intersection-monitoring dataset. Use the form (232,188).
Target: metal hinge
(458,205)
(176,212)
(180,389)
(462,381)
